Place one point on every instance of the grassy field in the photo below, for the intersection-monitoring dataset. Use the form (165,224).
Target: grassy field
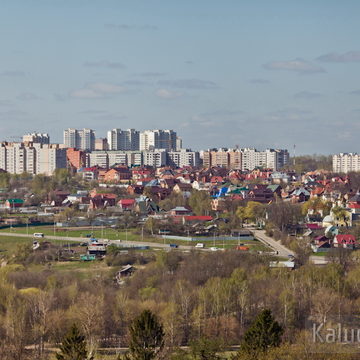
(9,244)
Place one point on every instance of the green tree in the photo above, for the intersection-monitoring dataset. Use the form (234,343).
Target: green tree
(200,202)
(205,349)
(146,336)
(73,346)
(262,335)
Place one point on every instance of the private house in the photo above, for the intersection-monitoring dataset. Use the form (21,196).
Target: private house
(345,241)
(13,203)
(300,195)
(320,244)
(264,196)
(119,174)
(180,210)
(127,204)
(101,201)
(135,189)
(57,197)
(145,206)
(183,188)
(124,272)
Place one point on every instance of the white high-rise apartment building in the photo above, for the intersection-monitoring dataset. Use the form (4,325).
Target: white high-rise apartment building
(127,140)
(184,157)
(346,162)
(37,138)
(79,139)
(49,158)
(17,158)
(155,158)
(268,159)
(158,139)
(106,159)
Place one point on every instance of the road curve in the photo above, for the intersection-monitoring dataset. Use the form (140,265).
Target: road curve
(276,245)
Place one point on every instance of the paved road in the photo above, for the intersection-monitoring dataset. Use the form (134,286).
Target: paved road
(82,239)
(282,250)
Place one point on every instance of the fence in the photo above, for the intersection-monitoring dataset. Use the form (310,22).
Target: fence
(205,238)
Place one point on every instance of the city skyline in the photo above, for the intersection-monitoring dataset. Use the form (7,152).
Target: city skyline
(220,75)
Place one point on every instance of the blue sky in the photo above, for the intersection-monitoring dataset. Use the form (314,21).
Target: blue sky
(220,73)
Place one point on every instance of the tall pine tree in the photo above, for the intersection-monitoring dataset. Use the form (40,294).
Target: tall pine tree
(263,334)
(73,346)
(146,337)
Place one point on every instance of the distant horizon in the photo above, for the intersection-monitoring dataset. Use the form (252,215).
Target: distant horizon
(255,74)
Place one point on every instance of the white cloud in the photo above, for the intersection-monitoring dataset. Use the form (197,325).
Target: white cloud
(168,94)
(299,66)
(97,91)
(350,56)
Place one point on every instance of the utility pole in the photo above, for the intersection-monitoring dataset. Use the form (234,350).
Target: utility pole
(294,162)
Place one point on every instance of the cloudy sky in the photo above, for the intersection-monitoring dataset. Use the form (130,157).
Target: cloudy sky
(220,73)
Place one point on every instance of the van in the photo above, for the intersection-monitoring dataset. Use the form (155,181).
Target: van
(38,235)
(200,245)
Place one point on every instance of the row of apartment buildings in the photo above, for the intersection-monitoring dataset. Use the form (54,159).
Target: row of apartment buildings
(125,140)
(154,158)
(33,158)
(38,158)
(246,159)
(156,148)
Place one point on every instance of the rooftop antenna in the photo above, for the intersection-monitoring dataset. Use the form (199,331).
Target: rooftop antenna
(294,155)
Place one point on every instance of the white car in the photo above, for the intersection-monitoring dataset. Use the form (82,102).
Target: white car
(214,248)
(200,245)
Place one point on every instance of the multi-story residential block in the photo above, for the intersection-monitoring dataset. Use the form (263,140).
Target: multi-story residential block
(128,158)
(183,157)
(107,159)
(157,158)
(126,140)
(158,139)
(17,158)
(268,159)
(49,158)
(235,159)
(98,158)
(79,139)
(36,138)
(346,162)
(179,143)
(227,158)
(246,159)
(101,144)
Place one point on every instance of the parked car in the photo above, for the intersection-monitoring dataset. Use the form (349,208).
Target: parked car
(200,245)
(214,248)
(175,246)
(38,235)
